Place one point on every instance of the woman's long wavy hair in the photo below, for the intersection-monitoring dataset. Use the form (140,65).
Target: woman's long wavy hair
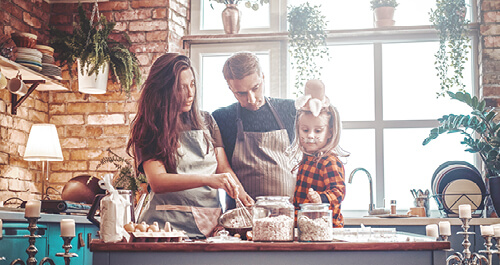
(159,121)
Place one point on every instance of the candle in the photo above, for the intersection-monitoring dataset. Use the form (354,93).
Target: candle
(464,211)
(445,228)
(68,227)
(1,233)
(496,230)
(486,230)
(431,230)
(32,208)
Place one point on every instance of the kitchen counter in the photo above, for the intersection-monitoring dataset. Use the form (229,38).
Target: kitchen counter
(147,253)
(417,221)
(17,215)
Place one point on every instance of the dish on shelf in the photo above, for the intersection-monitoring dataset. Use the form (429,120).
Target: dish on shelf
(24,39)
(461,191)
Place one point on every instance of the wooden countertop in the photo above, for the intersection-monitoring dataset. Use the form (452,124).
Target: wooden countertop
(415,221)
(97,245)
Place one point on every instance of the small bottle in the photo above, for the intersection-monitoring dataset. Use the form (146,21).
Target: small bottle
(393,206)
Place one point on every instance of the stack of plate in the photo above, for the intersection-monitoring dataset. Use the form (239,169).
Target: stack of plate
(48,66)
(31,58)
(455,183)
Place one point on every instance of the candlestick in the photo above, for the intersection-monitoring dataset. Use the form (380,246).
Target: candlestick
(1,231)
(466,257)
(68,228)
(32,250)
(431,230)
(486,230)
(444,228)
(496,230)
(488,245)
(464,211)
(67,246)
(32,208)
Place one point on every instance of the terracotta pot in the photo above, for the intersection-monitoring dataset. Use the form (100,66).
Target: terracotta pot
(82,188)
(384,16)
(231,17)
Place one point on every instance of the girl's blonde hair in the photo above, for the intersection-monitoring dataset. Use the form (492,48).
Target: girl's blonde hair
(332,145)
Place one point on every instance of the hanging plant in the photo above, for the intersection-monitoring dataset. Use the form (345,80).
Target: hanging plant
(90,43)
(307,40)
(449,19)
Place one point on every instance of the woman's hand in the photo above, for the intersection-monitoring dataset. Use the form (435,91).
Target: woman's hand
(313,196)
(224,181)
(245,198)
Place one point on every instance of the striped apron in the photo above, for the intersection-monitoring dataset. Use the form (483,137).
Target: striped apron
(197,210)
(260,162)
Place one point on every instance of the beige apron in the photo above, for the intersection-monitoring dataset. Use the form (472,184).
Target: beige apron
(260,162)
(194,210)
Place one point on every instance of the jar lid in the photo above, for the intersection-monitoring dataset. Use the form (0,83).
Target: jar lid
(314,206)
(274,198)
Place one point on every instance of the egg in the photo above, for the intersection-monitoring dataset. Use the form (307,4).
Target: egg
(142,227)
(130,227)
(154,227)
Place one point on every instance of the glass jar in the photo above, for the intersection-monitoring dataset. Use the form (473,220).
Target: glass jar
(273,219)
(314,222)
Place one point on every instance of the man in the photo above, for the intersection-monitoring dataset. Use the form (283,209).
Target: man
(256,130)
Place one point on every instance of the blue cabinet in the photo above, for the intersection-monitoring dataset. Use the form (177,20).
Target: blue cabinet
(13,245)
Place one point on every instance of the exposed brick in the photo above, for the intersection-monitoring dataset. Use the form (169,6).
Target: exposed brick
(148,3)
(490,6)
(4,186)
(113,6)
(122,107)
(143,59)
(4,158)
(16,136)
(115,130)
(86,154)
(178,8)
(67,119)
(138,14)
(31,21)
(87,131)
(91,107)
(73,143)
(57,108)
(100,119)
(60,177)
(159,13)
(137,37)
(156,36)
(69,166)
(112,142)
(18,185)
(148,25)
(150,47)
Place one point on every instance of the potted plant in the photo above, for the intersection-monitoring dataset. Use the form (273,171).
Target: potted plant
(91,45)
(231,15)
(383,11)
(307,39)
(454,43)
(481,132)
(126,177)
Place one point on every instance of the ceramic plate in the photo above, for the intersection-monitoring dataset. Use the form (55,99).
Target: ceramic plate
(461,191)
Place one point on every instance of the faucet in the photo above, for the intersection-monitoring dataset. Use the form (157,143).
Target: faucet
(371,207)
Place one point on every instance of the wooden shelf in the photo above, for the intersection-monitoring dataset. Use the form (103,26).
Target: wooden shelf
(10,69)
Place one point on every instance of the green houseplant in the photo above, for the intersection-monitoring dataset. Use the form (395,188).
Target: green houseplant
(307,42)
(449,19)
(90,43)
(380,3)
(481,132)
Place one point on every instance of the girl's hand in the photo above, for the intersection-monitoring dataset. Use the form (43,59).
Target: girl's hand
(313,196)
(245,198)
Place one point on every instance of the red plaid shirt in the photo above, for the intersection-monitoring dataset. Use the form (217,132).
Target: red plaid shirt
(326,176)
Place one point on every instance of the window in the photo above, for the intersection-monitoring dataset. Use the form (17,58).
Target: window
(382,81)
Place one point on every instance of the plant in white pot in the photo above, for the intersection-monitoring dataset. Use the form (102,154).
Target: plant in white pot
(91,46)
(383,12)
(481,130)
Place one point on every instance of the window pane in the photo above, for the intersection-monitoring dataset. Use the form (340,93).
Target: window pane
(214,90)
(361,145)
(410,74)
(212,20)
(348,78)
(410,165)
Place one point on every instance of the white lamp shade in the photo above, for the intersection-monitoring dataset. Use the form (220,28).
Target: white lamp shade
(43,144)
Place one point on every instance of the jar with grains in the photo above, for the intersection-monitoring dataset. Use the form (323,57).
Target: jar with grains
(314,222)
(273,219)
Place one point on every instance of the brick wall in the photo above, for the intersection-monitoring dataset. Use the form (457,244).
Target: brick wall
(87,124)
(490,51)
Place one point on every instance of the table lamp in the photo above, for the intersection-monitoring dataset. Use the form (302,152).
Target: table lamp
(43,145)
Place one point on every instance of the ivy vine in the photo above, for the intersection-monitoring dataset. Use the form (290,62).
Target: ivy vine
(454,43)
(307,40)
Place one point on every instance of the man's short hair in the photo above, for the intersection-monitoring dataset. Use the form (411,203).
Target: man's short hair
(240,65)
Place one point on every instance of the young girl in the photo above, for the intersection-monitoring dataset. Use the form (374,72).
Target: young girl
(320,177)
